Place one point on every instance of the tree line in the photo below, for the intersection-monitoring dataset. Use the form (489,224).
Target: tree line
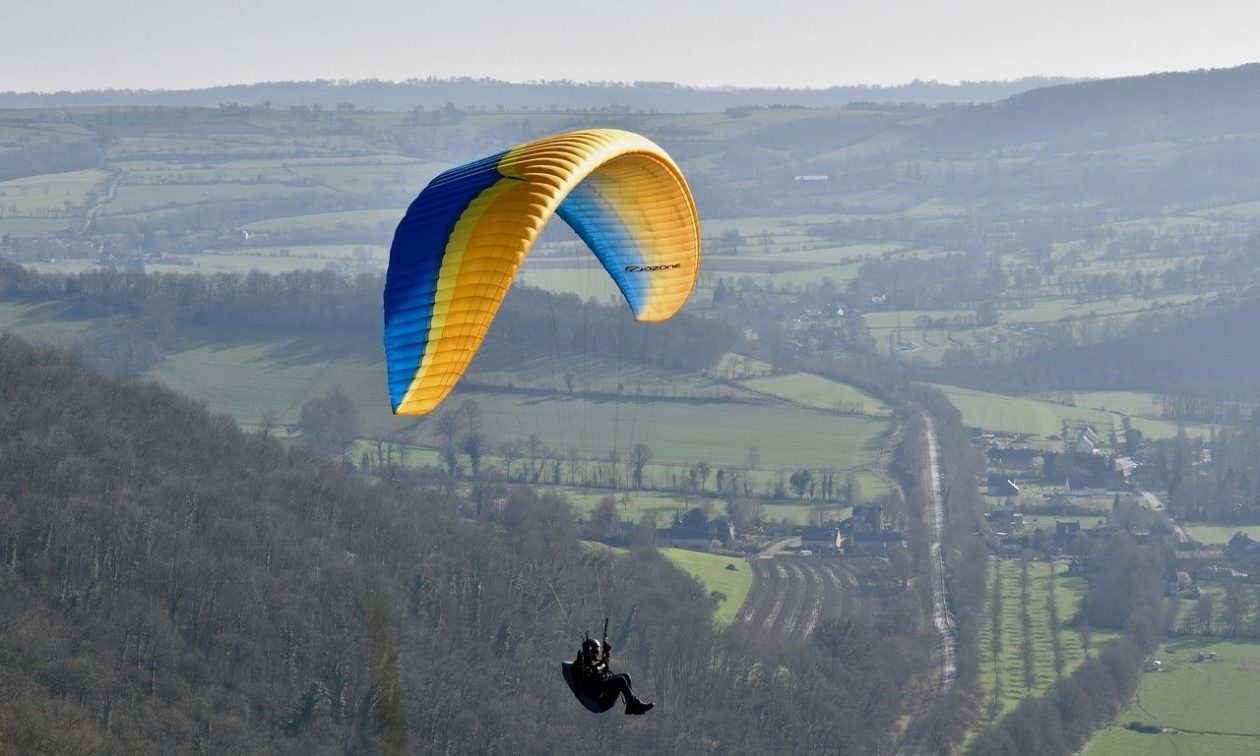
(531,323)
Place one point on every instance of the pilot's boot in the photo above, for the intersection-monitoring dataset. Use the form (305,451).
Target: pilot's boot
(635,706)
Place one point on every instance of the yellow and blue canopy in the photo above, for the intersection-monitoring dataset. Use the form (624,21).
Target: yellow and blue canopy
(461,242)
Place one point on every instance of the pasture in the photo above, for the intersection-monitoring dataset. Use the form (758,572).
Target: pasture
(1208,706)
(1219,615)
(1002,679)
(1013,414)
(1213,533)
(711,570)
(247,372)
(61,194)
(815,391)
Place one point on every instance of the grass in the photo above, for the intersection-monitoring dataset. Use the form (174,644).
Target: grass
(998,412)
(631,505)
(139,199)
(1142,409)
(26,196)
(711,570)
(1168,428)
(1216,697)
(246,372)
(329,221)
(822,393)
(1219,534)
(719,432)
(352,258)
(1050,309)
(1186,616)
(1008,669)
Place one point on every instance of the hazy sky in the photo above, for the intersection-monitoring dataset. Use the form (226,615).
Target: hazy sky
(78,44)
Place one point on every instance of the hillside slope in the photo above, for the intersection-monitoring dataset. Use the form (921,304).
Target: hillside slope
(174,585)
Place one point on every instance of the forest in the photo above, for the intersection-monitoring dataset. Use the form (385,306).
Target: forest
(182,585)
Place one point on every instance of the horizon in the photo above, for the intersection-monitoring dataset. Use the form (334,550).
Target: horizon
(595,83)
(800,44)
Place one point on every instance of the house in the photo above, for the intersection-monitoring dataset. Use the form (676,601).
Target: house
(693,536)
(1000,485)
(1084,446)
(873,543)
(821,540)
(1245,547)
(1065,532)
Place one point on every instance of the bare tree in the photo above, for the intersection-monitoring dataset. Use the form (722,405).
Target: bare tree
(510,451)
(640,456)
(331,422)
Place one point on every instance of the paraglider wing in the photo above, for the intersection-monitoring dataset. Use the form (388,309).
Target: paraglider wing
(461,242)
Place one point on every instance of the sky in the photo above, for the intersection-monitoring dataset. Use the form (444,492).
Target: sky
(174,44)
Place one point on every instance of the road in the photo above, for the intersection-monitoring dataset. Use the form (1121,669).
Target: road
(1157,506)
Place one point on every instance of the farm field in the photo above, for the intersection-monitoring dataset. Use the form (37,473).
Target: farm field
(1036,416)
(1168,428)
(712,570)
(999,412)
(1002,680)
(633,504)
(1245,618)
(1210,705)
(791,595)
(819,392)
(248,373)
(1050,309)
(1214,533)
(50,193)
(351,259)
(1143,411)
(719,432)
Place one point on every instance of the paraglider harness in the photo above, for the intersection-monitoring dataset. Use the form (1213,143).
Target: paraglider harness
(590,678)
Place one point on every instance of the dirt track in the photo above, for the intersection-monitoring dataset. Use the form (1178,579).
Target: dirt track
(791,595)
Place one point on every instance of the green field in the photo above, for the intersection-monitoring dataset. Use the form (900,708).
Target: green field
(1002,681)
(1212,533)
(1187,620)
(1142,409)
(348,258)
(719,432)
(1193,698)
(246,373)
(816,391)
(998,412)
(711,570)
(60,193)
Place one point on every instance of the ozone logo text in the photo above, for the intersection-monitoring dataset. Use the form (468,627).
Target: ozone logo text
(648,268)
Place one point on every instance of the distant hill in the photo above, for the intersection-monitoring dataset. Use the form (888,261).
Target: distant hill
(1213,350)
(431,94)
(1103,113)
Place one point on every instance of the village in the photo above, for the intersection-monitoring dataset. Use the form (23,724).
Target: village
(1059,498)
